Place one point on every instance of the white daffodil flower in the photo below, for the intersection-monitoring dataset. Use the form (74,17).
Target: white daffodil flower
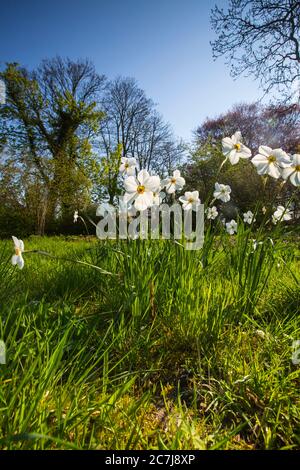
(222,192)
(173,183)
(128,166)
(270,162)
(76,216)
(280,214)
(141,190)
(231,227)
(190,200)
(19,248)
(234,149)
(248,217)
(212,213)
(293,171)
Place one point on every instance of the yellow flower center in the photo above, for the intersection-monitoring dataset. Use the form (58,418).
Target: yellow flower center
(190,200)
(297,167)
(237,147)
(173,180)
(126,165)
(18,251)
(271,159)
(141,189)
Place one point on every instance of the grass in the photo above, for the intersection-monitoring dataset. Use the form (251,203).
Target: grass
(172,349)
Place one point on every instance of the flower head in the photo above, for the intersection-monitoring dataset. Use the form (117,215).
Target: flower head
(222,191)
(190,200)
(141,189)
(128,166)
(293,171)
(234,149)
(174,183)
(270,162)
(17,258)
(76,216)
(249,217)
(211,213)
(280,214)
(231,227)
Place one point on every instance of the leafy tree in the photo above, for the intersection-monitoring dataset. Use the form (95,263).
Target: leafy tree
(48,124)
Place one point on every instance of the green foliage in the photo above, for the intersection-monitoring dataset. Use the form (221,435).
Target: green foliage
(109,173)
(174,350)
(48,124)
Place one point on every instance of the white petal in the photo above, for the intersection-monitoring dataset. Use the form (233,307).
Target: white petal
(262,168)
(16,242)
(187,206)
(237,137)
(195,195)
(170,188)
(176,174)
(259,159)
(180,182)
(20,261)
(128,198)
(287,172)
(14,260)
(296,159)
(21,245)
(273,171)
(227,145)
(152,183)
(295,178)
(130,184)
(143,201)
(244,152)
(165,181)
(142,176)
(234,157)
(131,161)
(264,150)
(130,171)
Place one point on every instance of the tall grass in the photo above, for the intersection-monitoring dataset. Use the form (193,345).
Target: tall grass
(174,349)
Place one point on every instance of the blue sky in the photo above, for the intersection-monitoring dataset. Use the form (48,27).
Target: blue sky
(164,44)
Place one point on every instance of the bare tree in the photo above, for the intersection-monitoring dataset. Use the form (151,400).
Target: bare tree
(133,123)
(261,38)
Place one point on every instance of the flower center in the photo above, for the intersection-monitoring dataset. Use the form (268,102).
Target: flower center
(141,189)
(237,147)
(126,165)
(297,168)
(18,251)
(190,200)
(173,180)
(271,159)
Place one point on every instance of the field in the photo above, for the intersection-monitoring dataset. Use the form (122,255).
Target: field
(151,347)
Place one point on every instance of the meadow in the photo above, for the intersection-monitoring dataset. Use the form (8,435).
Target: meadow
(151,346)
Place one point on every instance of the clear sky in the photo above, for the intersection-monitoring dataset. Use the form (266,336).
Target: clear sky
(164,44)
